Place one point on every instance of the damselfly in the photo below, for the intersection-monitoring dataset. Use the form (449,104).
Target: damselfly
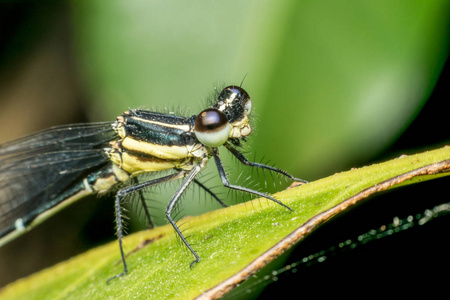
(44,172)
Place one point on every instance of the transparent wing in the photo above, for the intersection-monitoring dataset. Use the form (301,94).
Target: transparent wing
(37,169)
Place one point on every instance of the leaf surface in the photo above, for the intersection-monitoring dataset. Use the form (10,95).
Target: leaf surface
(233,243)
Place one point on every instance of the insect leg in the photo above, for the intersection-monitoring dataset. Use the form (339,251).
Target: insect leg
(172,204)
(227,183)
(118,210)
(245,161)
(210,192)
(144,205)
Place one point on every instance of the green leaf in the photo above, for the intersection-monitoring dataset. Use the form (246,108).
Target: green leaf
(233,243)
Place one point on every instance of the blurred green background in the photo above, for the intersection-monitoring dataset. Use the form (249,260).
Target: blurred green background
(334,84)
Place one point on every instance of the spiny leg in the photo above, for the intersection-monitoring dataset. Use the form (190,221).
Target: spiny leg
(227,183)
(144,205)
(245,161)
(210,192)
(173,202)
(118,210)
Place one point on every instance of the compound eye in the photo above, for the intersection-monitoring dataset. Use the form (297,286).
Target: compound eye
(212,128)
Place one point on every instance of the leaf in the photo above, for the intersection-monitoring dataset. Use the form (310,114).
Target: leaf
(233,242)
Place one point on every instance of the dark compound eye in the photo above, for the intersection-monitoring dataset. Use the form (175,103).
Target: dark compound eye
(235,102)
(212,128)
(233,91)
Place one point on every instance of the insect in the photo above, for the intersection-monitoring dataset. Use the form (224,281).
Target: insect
(44,172)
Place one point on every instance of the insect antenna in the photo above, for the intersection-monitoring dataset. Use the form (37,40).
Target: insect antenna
(242,82)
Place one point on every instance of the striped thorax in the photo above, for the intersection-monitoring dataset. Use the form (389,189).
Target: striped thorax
(151,141)
(155,142)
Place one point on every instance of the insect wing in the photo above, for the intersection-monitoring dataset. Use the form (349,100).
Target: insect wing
(35,171)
